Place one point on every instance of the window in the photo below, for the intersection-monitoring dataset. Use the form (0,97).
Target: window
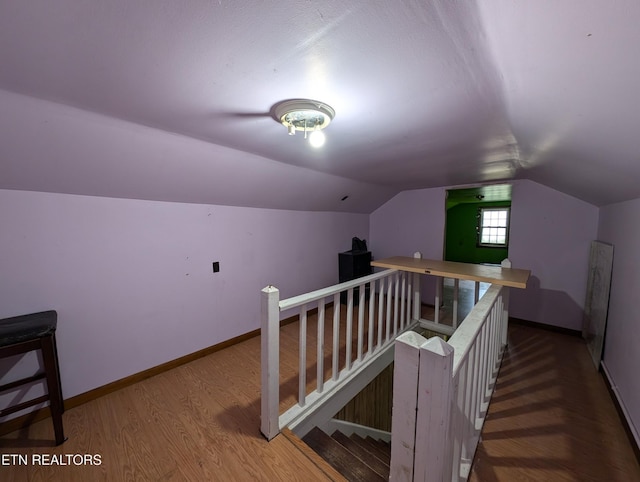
(493,229)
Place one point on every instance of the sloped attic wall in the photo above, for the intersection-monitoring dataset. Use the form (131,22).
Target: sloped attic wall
(50,147)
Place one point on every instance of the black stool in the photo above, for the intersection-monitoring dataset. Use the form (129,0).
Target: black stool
(25,333)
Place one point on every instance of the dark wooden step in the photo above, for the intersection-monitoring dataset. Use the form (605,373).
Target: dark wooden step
(358,447)
(382,451)
(344,461)
(384,447)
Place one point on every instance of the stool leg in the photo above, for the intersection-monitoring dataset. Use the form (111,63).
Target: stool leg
(55,354)
(53,386)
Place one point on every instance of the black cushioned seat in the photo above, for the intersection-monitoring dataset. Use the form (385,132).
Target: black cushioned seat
(25,333)
(27,327)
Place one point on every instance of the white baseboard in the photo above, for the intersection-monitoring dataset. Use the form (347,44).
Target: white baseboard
(614,389)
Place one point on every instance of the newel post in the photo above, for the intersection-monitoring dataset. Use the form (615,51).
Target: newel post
(434,444)
(405,405)
(270,362)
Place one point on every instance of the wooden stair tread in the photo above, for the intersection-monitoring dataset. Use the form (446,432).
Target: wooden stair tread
(344,461)
(360,449)
(313,456)
(381,448)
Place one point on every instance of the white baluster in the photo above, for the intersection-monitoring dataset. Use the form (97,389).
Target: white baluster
(403,280)
(417,303)
(320,360)
(336,336)
(388,319)
(372,309)
(409,297)
(380,310)
(349,336)
(396,302)
(302,376)
(456,290)
(438,300)
(361,308)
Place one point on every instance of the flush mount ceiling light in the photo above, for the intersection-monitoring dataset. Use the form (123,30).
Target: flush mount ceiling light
(305,115)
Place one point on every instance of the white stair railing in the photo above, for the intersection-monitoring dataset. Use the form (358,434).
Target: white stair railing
(392,307)
(442,391)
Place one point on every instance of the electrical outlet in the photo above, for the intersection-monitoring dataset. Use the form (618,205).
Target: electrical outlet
(216,266)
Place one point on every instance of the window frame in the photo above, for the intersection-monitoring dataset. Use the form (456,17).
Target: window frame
(480,227)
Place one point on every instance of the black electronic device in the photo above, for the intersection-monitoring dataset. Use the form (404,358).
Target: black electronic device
(351,265)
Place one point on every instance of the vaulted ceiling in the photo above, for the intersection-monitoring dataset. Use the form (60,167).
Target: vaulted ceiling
(173,100)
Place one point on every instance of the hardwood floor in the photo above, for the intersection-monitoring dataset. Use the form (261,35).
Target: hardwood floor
(551,419)
(198,422)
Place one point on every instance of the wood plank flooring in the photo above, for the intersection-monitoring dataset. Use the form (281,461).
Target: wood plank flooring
(551,419)
(198,422)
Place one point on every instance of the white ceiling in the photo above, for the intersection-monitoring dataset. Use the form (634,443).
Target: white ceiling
(426,93)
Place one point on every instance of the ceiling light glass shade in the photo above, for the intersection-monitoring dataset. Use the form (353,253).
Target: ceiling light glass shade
(304,115)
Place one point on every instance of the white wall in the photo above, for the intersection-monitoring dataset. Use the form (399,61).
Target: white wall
(620,226)
(132,281)
(550,235)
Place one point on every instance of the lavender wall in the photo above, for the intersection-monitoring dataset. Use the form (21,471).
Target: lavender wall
(411,221)
(550,235)
(620,226)
(132,280)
